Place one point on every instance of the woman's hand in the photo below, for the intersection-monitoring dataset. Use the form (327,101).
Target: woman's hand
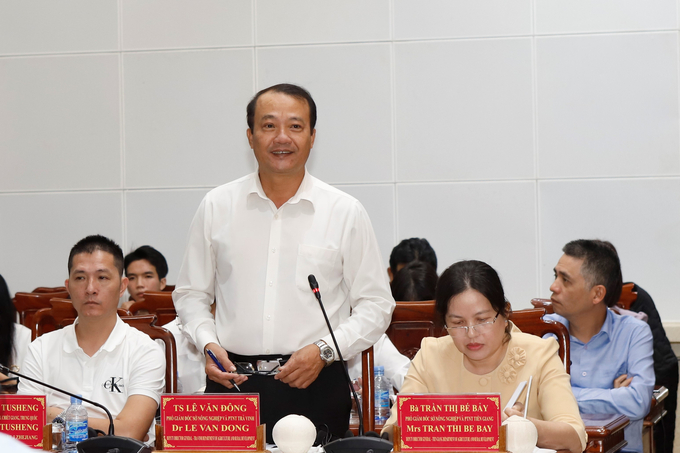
(516,409)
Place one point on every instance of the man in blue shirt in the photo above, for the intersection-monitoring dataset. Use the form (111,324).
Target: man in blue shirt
(612,366)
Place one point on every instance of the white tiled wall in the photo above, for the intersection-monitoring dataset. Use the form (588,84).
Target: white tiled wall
(498,130)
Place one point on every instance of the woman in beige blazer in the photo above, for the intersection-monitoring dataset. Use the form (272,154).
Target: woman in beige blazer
(485,353)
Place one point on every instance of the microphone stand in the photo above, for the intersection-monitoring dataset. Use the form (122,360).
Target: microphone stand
(352,444)
(6,370)
(104,444)
(315,289)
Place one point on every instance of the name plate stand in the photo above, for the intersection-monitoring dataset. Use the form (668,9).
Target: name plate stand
(23,417)
(259,443)
(218,423)
(433,423)
(396,435)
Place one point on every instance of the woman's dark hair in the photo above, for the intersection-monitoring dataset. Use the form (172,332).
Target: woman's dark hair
(466,275)
(414,282)
(413,249)
(7,318)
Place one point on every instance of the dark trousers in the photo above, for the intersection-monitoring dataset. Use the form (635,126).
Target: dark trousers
(326,402)
(664,433)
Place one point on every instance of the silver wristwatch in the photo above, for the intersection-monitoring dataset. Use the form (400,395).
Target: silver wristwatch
(326,352)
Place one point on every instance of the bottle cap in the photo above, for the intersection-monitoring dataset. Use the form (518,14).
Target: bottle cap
(75,400)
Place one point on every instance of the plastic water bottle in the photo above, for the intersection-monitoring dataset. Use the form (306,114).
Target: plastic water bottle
(75,424)
(382,396)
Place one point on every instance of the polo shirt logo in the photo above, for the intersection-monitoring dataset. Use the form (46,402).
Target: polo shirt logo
(114,384)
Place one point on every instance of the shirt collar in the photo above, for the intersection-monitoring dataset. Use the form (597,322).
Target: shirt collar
(115,338)
(608,325)
(304,192)
(603,336)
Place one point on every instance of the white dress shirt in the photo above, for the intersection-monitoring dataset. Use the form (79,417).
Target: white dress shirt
(190,361)
(255,259)
(22,340)
(387,355)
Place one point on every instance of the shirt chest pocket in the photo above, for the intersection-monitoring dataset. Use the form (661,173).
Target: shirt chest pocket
(325,264)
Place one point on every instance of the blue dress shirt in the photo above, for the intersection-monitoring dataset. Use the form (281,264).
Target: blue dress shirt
(622,346)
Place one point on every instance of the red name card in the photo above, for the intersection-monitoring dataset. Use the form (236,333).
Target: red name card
(210,422)
(449,422)
(23,417)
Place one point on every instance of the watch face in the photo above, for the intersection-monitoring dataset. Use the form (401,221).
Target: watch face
(327,354)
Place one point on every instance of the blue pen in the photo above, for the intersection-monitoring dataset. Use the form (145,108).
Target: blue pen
(219,365)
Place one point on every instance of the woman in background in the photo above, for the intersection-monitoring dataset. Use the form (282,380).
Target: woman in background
(7,333)
(485,353)
(14,339)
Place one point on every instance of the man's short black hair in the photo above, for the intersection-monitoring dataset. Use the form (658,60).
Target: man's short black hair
(414,282)
(96,242)
(153,256)
(285,88)
(601,266)
(414,249)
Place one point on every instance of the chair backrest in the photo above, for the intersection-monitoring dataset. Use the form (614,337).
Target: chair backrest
(165,315)
(147,324)
(411,322)
(545,304)
(49,289)
(628,296)
(60,314)
(531,321)
(367,390)
(27,304)
(153,300)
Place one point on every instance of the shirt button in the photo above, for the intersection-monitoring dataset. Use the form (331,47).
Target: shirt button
(268,317)
(584,373)
(276,216)
(271,283)
(483,381)
(266,351)
(273,250)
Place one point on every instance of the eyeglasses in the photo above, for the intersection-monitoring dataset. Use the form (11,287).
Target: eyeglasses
(480,328)
(264,368)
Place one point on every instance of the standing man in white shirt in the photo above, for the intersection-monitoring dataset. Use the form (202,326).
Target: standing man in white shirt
(252,245)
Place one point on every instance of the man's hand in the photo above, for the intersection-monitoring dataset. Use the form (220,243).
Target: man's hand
(358,386)
(621,381)
(213,371)
(302,368)
(52,412)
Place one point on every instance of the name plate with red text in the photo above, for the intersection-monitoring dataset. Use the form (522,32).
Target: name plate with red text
(23,417)
(450,422)
(210,421)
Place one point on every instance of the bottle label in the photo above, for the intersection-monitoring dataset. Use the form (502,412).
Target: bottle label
(77,431)
(382,398)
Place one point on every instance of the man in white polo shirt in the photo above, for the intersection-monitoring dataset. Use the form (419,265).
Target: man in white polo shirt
(99,356)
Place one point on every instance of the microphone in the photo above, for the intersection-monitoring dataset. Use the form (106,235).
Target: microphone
(369,441)
(94,444)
